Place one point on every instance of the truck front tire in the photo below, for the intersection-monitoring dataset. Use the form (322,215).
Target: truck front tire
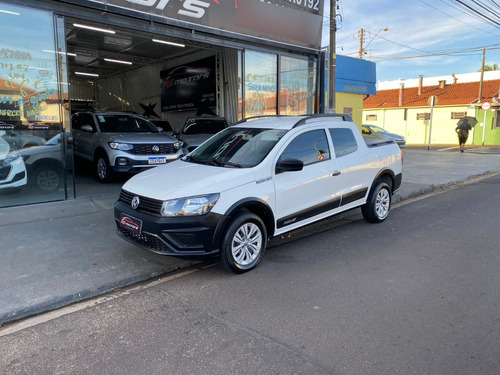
(244,243)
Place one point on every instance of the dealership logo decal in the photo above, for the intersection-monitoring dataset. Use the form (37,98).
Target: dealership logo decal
(129,224)
(135,202)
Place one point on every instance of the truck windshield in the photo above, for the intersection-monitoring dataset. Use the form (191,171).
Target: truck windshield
(236,147)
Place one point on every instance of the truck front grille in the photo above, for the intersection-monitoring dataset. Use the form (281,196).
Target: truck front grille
(146,205)
(144,240)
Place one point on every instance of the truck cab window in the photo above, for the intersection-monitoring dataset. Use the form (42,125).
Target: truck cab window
(344,141)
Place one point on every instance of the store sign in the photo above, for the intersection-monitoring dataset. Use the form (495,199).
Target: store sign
(190,86)
(297,22)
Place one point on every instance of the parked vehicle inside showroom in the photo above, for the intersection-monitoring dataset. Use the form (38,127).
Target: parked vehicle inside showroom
(258,179)
(373,129)
(164,125)
(12,168)
(45,163)
(197,130)
(119,142)
(22,139)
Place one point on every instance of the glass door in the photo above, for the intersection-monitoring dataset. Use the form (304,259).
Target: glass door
(32,141)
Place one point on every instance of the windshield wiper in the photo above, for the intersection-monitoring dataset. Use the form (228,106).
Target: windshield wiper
(213,162)
(226,163)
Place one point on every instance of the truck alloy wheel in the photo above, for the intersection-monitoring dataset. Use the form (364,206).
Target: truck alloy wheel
(378,204)
(244,243)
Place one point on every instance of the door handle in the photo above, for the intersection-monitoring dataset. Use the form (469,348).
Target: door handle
(336,173)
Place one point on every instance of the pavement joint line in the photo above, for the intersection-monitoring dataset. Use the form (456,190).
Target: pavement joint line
(93,301)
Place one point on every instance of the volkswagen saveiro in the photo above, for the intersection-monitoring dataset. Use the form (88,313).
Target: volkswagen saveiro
(255,180)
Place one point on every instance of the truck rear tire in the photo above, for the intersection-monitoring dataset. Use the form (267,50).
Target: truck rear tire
(377,207)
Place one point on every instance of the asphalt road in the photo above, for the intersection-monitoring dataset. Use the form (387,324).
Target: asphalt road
(417,294)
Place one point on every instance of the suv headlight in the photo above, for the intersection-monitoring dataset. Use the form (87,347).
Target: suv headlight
(11,157)
(177,145)
(121,146)
(191,206)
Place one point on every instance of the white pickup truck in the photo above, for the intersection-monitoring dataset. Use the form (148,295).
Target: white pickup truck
(260,178)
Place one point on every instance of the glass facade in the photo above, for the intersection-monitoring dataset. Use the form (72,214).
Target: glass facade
(261,83)
(298,86)
(31,138)
(36,156)
(296,79)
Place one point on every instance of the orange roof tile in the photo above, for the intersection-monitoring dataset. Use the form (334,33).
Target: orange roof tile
(452,94)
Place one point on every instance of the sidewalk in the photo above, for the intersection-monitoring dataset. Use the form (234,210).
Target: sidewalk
(54,254)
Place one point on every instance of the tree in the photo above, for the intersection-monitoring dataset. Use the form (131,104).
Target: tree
(489,68)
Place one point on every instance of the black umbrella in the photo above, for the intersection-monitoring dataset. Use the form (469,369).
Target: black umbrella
(465,121)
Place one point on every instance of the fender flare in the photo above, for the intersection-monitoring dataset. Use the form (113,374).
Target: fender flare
(252,204)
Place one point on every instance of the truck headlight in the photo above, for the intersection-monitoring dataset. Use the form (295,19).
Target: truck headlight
(191,206)
(121,146)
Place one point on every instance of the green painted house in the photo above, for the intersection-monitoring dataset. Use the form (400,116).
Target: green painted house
(427,115)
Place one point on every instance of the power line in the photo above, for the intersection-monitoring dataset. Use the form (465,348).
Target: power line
(459,20)
(479,12)
(435,54)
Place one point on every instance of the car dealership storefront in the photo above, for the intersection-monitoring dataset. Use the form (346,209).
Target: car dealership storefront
(163,59)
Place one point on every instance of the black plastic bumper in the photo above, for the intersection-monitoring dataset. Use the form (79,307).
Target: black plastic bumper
(194,237)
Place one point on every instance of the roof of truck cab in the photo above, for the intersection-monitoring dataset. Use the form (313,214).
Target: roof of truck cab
(289,122)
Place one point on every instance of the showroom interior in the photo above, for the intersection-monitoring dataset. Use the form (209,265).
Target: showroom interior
(64,58)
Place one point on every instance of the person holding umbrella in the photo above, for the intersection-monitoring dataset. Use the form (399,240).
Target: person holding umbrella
(463,126)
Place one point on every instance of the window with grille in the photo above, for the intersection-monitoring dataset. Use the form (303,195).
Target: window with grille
(458,115)
(423,116)
(371,117)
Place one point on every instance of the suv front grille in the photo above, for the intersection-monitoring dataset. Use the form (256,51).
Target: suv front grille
(147,205)
(147,149)
(4,169)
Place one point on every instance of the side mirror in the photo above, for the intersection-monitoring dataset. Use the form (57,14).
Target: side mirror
(87,128)
(160,129)
(289,165)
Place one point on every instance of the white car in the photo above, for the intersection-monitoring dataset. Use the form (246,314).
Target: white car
(255,180)
(380,132)
(12,168)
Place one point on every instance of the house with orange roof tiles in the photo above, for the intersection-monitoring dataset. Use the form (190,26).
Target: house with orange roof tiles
(428,115)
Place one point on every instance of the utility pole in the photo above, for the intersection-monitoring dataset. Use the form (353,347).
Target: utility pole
(361,37)
(331,58)
(482,77)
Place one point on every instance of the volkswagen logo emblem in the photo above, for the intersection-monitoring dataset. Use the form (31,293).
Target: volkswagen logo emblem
(135,202)
(156,149)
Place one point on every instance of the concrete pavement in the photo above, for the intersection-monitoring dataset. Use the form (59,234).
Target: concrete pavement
(55,254)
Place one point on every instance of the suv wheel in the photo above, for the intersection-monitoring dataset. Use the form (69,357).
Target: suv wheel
(47,178)
(244,243)
(378,205)
(104,172)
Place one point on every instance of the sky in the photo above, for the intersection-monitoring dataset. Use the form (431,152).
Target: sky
(430,28)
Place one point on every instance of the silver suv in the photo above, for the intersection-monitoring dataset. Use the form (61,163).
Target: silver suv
(119,142)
